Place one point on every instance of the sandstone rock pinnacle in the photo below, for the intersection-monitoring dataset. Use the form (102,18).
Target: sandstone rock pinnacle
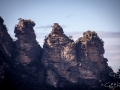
(75,62)
(57,29)
(62,64)
(28,48)
(59,55)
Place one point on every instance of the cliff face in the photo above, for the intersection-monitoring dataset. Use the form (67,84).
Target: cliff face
(27,46)
(28,57)
(90,49)
(59,55)
(74,62)
(6,49)
(24,65)
(92,64)
(5,39)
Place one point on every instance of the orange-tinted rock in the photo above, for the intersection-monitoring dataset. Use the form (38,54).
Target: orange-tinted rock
(28,57)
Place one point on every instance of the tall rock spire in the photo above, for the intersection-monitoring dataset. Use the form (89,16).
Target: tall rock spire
(27,46)
(28,58)
(90,56)
(24,65)
(57,29)
(59,55)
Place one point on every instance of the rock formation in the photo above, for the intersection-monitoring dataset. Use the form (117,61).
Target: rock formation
(28,55)
(61,64)
(23,63)
(6,49)
(59,55)
(92,63)
(79,62)
(27,46)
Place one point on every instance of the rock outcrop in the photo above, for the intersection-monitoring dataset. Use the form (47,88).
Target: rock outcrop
(59,55)
(28,48)
(20,60)
(78,62)
(61,64)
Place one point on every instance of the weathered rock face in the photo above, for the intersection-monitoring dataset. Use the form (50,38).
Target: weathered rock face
(59,57)
(75,62)
(27,46)
(90,57)
(28,57)
(20,60)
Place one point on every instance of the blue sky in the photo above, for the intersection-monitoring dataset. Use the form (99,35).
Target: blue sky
(75,16)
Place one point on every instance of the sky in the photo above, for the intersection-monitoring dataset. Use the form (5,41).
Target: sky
(75,16)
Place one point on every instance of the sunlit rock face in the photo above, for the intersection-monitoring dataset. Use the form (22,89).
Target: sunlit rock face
(59,57)
(24,65)
(78,62)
